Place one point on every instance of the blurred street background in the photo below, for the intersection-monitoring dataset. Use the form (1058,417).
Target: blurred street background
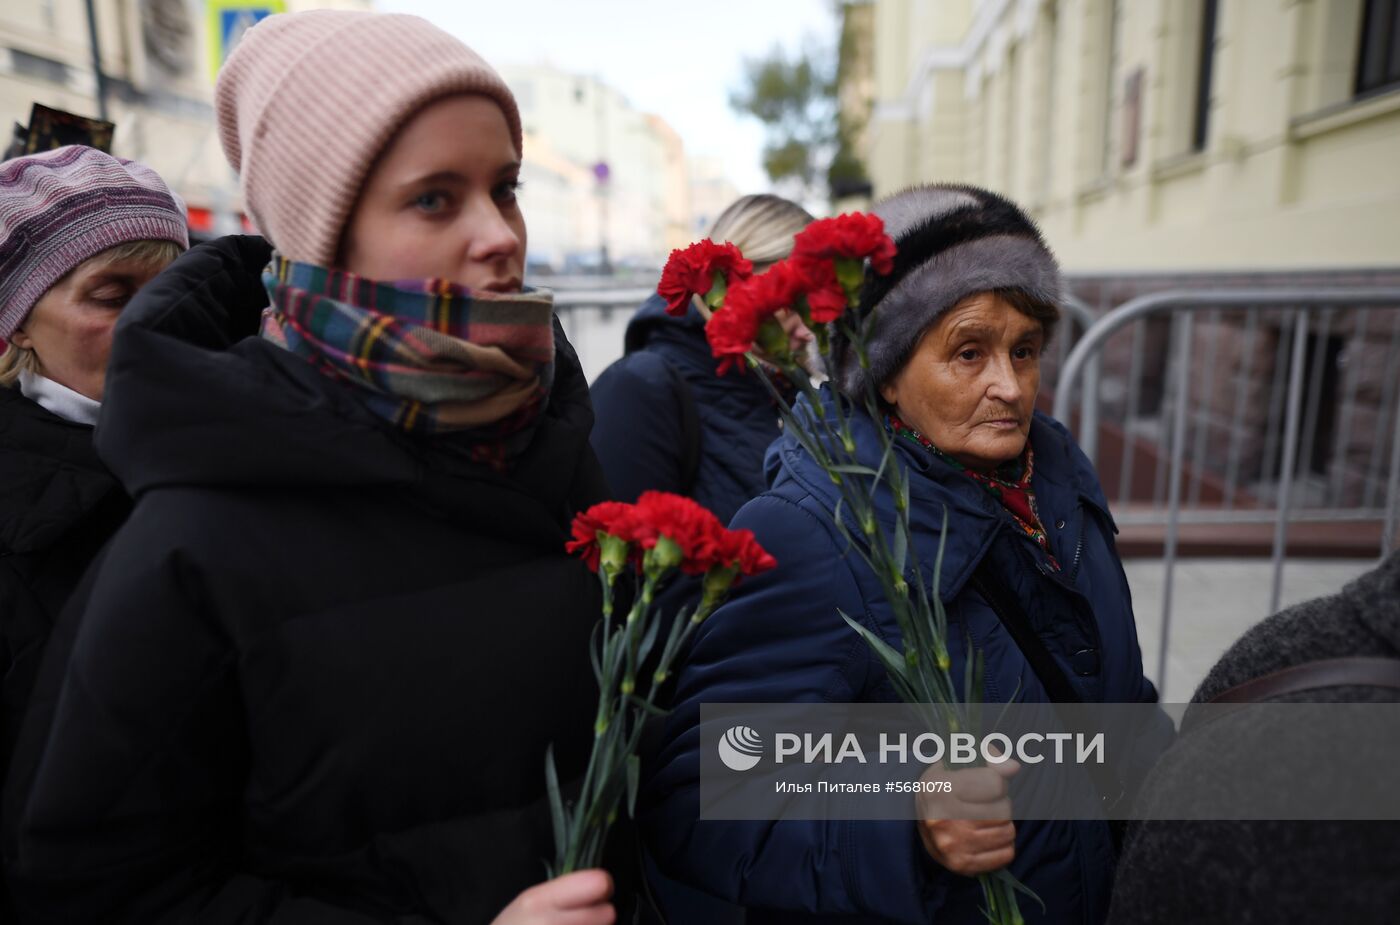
(1220,179)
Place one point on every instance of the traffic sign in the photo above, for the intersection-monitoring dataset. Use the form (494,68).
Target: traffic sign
(228,20)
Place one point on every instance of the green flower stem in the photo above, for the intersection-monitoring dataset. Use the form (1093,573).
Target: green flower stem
(636,625)
(622,711)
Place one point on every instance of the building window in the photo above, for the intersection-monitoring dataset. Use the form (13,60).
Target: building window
(1378,63)
(1200,126)
(47,69)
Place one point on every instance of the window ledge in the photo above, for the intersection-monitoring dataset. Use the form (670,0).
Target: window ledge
(1179,165)
(1344,114)
(1095,189)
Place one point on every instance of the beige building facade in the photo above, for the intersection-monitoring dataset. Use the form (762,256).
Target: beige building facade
(158,58)
(1182,144)
(637,206)
(1153,135)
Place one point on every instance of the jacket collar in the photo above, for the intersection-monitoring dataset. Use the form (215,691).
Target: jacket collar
(974,517)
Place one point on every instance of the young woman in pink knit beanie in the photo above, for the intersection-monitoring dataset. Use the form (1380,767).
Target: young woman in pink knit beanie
(80,232)
(316,676)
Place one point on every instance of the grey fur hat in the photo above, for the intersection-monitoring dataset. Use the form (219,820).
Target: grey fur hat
(952,241)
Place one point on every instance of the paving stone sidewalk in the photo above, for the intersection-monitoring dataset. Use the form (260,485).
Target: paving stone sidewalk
(1214,602)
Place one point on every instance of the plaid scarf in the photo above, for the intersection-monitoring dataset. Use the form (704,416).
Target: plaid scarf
(429,356)
(1009,484)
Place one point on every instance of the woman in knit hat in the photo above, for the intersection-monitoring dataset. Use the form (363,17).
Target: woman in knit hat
(80,232)
(1029,572)
(317,675)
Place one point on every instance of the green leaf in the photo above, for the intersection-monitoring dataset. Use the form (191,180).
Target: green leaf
(649,639)
(1018,887)
(854,470)
(593,656)
(634,777)
(893,661)
(1001,716)
(556,803)
(901,547)
(938,562)
(648,708)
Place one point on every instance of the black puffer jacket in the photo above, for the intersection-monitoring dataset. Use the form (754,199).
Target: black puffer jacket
(58,505)
(317,670)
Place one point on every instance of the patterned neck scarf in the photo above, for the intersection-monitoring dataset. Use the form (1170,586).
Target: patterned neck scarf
(428,356)
(1009,484)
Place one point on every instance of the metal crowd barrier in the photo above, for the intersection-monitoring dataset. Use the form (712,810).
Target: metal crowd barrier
(581,310)
(1312,331)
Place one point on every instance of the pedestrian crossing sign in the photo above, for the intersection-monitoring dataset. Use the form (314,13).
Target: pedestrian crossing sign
(228,20)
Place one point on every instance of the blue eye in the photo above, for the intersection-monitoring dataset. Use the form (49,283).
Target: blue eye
(431,202)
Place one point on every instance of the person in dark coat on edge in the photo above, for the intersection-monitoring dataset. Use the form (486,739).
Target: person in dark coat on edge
(955,355)
(80,232)
(665,421)
(1248,872)
(315,674)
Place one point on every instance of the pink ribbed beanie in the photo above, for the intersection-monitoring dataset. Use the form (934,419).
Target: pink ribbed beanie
(307,101)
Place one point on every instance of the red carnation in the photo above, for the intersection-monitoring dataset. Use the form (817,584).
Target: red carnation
(826,300)
(738,549)
(763,296)
(697,270)
(749,306)
(731,335)
(684,522)
(853,236)
(737,554)
(608,518)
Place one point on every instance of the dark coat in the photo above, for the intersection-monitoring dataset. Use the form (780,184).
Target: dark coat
(1250,872)
(638,435)
(318,668)
(58,505)
(781,639)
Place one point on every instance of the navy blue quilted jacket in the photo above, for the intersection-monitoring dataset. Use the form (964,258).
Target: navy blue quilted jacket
(637,406)
(780,639)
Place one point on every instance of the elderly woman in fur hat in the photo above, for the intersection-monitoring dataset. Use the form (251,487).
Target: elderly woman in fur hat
(1030,575)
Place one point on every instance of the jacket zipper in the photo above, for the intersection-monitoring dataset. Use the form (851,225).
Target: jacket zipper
(1078,551)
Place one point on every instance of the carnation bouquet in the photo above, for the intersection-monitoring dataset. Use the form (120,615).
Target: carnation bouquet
(650,541)
(821,282)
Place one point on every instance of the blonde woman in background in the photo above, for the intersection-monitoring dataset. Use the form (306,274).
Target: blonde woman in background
(665,421)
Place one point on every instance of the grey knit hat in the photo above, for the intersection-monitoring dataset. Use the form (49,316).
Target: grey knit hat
(952,242)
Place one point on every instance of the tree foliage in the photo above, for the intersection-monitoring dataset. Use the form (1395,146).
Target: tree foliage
(796,97)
